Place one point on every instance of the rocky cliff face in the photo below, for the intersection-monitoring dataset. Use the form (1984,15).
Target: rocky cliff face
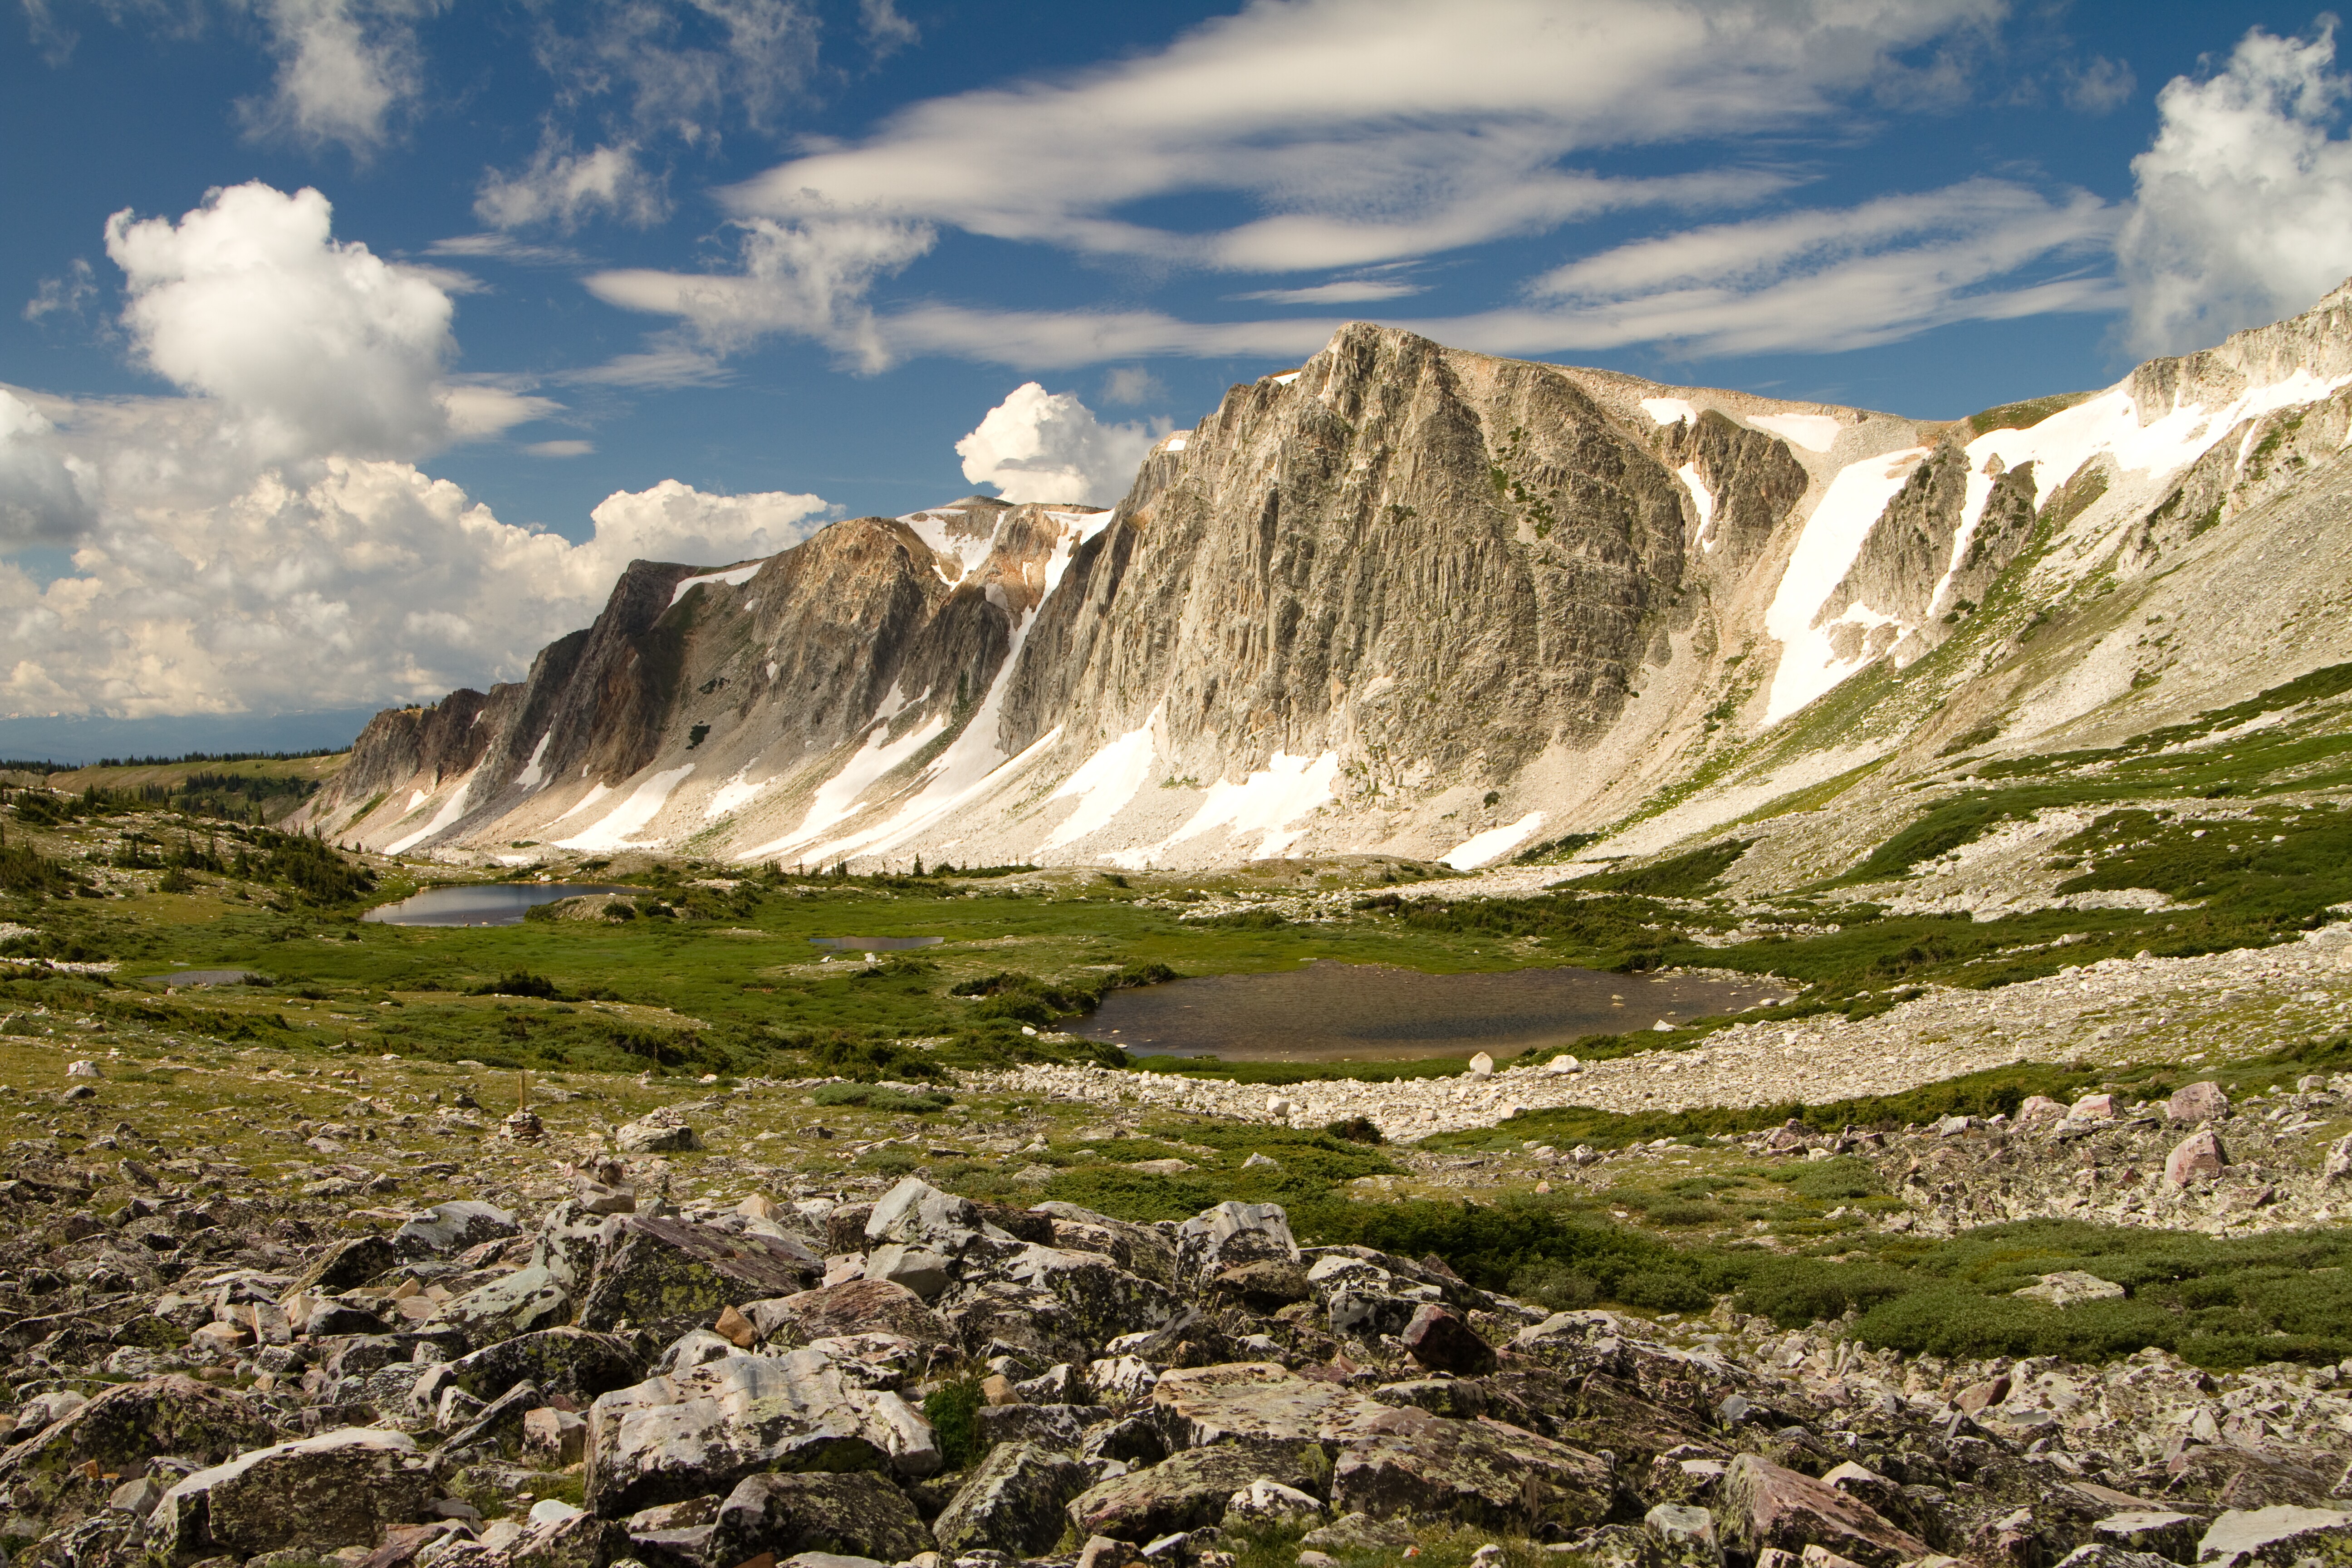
(1404,599)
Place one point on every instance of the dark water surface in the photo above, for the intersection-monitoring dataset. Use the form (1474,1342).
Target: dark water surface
(1326,1011)
(480,903)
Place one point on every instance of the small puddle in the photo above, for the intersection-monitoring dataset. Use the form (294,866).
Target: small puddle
(876,944)
(1361,1012)
(480,903)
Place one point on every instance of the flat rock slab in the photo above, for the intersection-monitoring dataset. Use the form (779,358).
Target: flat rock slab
(1195,1406)
(707,1428)
(120,1428)
(337,1489)
(2277,1535)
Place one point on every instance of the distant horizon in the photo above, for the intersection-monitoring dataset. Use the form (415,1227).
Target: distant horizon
(73,740)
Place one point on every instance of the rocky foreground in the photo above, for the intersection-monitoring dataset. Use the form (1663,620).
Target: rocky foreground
(925,1380)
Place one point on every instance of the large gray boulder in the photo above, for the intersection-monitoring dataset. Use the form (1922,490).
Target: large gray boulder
(1138,1248)
(852,1307)
(857,1514)
(118,1430)
(1764,1505)
(1192,1491)
(2278,1535)
(917,1214)
(1013,1502)
(514,1304)
(337,1489)
(707,1428)
(571,1361)
(1256,1401)
(453,1227)
(667,1275)
(1483,1472)
(1235,1233)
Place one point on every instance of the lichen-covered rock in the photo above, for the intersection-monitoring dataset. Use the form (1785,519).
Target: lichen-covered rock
(1443,1342)
(1099,1300)
(1013,1502)
(515,1303)
(857,1513)
(1232,1234)
(915,1213)
(453,1227)
(710,1426)
(1483,1472)
(1765,1505)
(1192,1490)
(1138,1248)
(337,1489)
(2280,1536)
(852,1307)
(119,1429)
(667,1275)
(574,1362)
(1257,1401)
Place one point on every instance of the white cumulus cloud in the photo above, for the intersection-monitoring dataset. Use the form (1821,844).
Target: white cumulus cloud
(1040,446)
(2243,211)
(308,344)
(372,581)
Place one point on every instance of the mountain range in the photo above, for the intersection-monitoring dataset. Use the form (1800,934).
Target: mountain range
(1411,601)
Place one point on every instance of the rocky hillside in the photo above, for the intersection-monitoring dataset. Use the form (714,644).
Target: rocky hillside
(846,1381)
(1416,600)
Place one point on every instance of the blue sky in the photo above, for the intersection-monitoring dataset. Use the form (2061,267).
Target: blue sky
(745,265)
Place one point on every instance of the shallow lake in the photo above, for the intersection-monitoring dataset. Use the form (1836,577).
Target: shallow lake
(1326,1011)
(876,944)
(479,904)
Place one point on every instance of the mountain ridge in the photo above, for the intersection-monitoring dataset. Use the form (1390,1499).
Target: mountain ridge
(1411,600)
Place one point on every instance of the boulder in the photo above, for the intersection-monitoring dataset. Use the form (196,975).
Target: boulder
(2199,1154)
(339,1488)
(567,1242)
(1013,1502)
(1684,1533)
(2279,1535)
(710,1426)
(120,1428)
(1191,1490)
(915,1213)
(1443,1342)
(667,1275)
(2069,1286)
(1233,1233)
(2195,1102)
(857,1513)
(919,1270)
(1270,1502)
(1765,1505)
(853,1307)
(574,1362)
(574,1541)
(1483,1472)
(1138,1248)
(655,1134)
(1061,1427)
(1258,1402)
(1099,1300)
(1266,1285)
(453,1227)
(553,1439)
(2159,1531)
(514,1304)
(346,1264)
